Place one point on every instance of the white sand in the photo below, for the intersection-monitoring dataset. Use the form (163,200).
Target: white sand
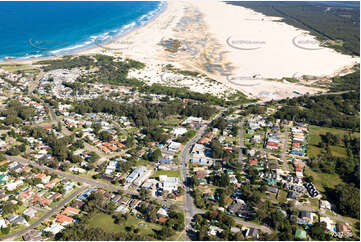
(277,56)
(204,26)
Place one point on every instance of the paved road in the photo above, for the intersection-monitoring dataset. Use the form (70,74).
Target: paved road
(284,151)
(88,181)
(52,112)
(190,209)
(46,216)
(241,145)
(263,228)
(36,83)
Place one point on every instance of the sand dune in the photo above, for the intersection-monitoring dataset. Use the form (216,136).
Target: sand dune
(266,46)
(234,45)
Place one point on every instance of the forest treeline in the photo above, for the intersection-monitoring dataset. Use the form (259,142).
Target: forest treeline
(143,114)
(327,21)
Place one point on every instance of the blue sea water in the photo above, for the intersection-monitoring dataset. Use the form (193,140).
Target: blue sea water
(37,29)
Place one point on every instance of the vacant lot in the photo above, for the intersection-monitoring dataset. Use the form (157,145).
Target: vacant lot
(323,180)
(171,173)
(336,150)
(106,222)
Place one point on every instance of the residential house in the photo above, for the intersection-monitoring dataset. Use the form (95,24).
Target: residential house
(31,212)
(16,219)
(325,204)
(13,185)
(175,146)
(308,216)
(69,211)
(292,195)
(78,204)
(272,189)
(162,212)
(42,177)
(63,220)
(54,228)
(252,233)
(26,194)
(52,183)
(3,223)
(213,230)
(179,131)
(330,224)
(32,235)
(343,228)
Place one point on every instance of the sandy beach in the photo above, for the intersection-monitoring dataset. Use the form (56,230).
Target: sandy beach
(240,48)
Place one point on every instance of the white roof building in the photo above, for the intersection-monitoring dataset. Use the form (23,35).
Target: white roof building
(325,204)
(3,223)
(162,212)
(54,228)
(31,212)
(12,186)
(330,224)
(169,184)
(139,175)
(122,209)
(174,146)
(179,131)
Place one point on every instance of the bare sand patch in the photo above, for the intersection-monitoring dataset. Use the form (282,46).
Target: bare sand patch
(240,48)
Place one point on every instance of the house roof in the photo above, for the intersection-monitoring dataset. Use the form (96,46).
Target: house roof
(41,176)
(70,211)
(32,235)
(162,220)
(305,214)
(45,201)
(62,218)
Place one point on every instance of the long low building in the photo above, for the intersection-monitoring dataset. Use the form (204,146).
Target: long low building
(139,175)
(169,184)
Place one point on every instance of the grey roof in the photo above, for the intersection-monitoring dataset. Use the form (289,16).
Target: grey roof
(292,194)
(306,214)
(272,189)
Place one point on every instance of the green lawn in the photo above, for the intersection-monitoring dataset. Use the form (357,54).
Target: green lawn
(323,180)
(282,196)
(106,222)
(315,138)
(171,173)
(13,67)
(315,203)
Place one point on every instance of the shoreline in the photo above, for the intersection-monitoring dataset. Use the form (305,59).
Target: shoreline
(91,47)
(206,47)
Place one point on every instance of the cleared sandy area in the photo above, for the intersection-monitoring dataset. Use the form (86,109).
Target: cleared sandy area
(267,47)
(238,47)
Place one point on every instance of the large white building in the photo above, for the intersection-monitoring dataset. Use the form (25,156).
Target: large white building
(179,131)
(139,175)
(169,184)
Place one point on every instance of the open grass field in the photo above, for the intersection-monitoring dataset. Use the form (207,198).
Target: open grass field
(13,67)
(171,173)
(106,222)
(282,196)
(315,137)
(323,180)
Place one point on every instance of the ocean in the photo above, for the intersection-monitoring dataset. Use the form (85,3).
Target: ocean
(40,29)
